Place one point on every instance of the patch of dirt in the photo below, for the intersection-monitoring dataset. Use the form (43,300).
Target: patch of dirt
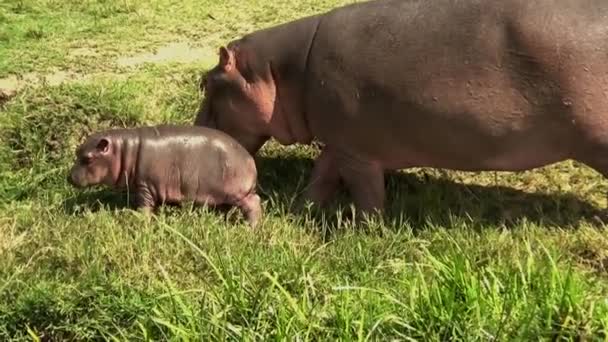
(174,52)
(83,52)
(10,86)
(6,92)
(181,52)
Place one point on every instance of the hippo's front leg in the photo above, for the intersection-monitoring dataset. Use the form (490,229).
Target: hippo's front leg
(144,200)
(324,180)
(364,181)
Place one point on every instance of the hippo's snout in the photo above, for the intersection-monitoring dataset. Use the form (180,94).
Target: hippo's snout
(71,181)
(74,181)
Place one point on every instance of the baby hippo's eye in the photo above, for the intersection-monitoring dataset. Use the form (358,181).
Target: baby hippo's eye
(85,160)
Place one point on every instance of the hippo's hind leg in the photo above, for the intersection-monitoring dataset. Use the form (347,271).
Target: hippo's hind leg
(251,208)
(597,159)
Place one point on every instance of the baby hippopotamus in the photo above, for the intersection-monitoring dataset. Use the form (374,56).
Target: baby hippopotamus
(170,164)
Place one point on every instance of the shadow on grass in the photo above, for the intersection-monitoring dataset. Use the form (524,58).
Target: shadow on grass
(420,199)
(95,200)
(416,198)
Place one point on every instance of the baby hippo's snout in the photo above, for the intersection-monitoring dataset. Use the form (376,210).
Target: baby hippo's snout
(70,179)
(75,177)
(94,160)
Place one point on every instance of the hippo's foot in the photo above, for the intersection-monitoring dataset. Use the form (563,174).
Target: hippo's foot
(146,210)
(601,217)
(365,183)
(251,208)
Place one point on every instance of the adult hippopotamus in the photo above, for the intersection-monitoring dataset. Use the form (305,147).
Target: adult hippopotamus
(468,85)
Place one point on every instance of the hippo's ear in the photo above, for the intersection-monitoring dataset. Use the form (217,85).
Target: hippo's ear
(103,146)
(226,59)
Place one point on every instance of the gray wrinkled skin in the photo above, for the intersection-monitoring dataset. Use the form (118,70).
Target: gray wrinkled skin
(170,164)
(467,85)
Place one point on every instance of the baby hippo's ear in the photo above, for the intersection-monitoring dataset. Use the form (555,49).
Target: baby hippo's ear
(103,146)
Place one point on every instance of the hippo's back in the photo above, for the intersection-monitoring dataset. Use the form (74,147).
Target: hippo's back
(427,80)
(196,163)
(184,137)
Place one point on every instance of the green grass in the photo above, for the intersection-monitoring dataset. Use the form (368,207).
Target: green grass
(36,34)
(462,256)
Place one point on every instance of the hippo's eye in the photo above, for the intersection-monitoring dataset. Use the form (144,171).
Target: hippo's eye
(85,160)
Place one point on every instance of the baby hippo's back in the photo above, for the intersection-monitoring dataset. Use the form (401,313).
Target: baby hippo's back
(195,163)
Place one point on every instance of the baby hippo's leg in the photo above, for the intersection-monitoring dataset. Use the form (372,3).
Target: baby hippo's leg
(251,209)
(144,201)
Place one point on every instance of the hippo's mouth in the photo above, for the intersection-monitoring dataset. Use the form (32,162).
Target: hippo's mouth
(205,116)
(73,181)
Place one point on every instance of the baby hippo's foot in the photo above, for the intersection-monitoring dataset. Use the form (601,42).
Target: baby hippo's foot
(601,217)
(147,211)
(251,208)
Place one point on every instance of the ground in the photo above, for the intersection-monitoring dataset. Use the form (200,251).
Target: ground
(468,256)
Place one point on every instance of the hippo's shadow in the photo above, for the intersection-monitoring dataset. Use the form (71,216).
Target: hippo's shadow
(95,200)
(420,199)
